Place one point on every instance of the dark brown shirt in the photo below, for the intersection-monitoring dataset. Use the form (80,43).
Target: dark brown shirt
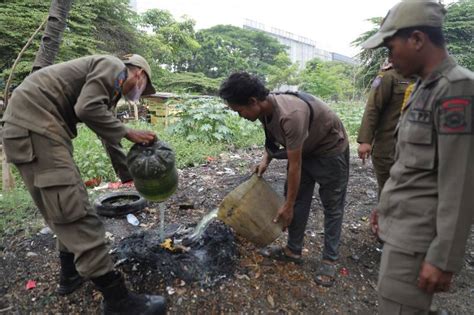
(290,126)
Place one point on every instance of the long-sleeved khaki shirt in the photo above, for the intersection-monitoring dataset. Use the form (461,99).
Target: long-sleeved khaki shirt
(382,113)
(427,205)
(54,99)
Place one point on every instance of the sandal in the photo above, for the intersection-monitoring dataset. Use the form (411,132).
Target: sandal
(278,253)
(326,271)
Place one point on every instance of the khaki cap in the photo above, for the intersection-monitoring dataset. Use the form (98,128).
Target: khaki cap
(408,13)
(139,61)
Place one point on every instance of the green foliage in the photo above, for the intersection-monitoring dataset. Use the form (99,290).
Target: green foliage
(93,27)
(91,157)
(188,82)
(172,43)
(351,115)
(371,59)
(16,211)
(203,120)
(459,30)
(329,80)
(282,72)
(226,49)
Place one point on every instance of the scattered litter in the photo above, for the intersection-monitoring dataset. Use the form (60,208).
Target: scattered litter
(31,254)
(270,301)
(343,271)
(170,290)
(132,219)
(117,185)
(355,257)
(31,284)
(93,182)
(101,187)
(229,171)
(46,230)
(167,244)
(371,193)
(120,262)
(242,277)
(109,236)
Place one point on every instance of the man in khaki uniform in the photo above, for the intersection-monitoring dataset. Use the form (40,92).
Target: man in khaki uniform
(376,133)
(425,209)
(316,146)
(39,125)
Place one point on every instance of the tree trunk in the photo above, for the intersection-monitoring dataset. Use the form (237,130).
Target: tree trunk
(49,48)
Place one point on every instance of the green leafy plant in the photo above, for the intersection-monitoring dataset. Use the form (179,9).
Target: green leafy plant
(91,157)
(202,119)
(351,116)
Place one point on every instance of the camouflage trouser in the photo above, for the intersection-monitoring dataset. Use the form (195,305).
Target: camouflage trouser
(397,284)
(382,167)
(54,182)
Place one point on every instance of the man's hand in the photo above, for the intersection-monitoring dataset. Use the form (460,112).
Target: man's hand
(144,137)
(374,222)
(432,279)
(364,151)
(284,215)
(262,167)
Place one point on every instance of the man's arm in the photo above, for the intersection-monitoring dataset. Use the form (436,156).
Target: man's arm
(379,97)
(285,213)
(455,180)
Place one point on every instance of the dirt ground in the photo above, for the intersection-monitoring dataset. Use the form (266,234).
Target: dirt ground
(257,285)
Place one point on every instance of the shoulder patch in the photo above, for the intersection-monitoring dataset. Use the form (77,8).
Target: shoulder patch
(456,115)
(377,81)
(121,77)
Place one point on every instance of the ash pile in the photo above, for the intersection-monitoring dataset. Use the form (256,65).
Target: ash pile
(207,260)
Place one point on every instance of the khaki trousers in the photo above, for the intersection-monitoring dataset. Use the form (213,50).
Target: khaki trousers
(397,284)
(53,180)
(382,167)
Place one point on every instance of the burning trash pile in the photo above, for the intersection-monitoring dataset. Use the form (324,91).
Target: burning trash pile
(206,260)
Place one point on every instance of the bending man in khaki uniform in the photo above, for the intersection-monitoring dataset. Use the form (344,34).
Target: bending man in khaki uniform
(39,125)
(425,209)
(316,146)
(376,133)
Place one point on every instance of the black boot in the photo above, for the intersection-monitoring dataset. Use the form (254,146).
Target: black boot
(118,300)
(69,279)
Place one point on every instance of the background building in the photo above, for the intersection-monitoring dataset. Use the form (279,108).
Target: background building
(299,48)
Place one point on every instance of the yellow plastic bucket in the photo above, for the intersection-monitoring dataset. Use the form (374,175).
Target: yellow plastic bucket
(250,209)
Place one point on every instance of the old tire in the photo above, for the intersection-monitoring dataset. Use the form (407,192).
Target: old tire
(119,203)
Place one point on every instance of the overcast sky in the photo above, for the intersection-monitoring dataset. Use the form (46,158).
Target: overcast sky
(333,24)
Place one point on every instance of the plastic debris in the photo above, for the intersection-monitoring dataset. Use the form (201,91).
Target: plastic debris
(31,284)
(270,301)
(343,271)
(170,290)
(117,185)
(46,230)
(93,182)
(132,219)
(167,244)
